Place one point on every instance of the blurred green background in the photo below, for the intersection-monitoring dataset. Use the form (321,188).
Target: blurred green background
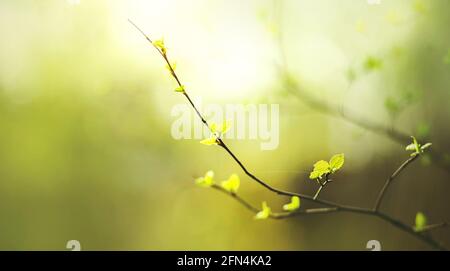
(86,151)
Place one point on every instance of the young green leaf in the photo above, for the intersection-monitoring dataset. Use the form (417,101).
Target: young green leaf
(213,127)
(226,125)
(411,147)
(207,180)
(321,165)
(421,222)
(416,147)
(231,184)
(209,141)
(425,146)
(173,65)
(314,175)
(336,162)
(160,44)
(320,168)
(264,213)
(180,89)
(416,144)
(293,205)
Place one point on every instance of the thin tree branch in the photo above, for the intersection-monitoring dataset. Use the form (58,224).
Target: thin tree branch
(435,226)
(275,215)
(335,206)
(318,191)
(390,179)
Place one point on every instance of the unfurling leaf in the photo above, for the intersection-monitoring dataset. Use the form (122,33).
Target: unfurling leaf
(264,213)
(226,125)
(336,162)
(416,147)
(207,180)
(293,205)
(321,165)
(160,45)
(180,89)
(221,129)
(411,147)
(314,175)
(171,67)
(421,222)
(416,144)
(232,184)
(213,127)
(209,141)
(426,146)
(320,168)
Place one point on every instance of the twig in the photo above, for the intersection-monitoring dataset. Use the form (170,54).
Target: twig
(318,191)
(435,226)
(275,215)
(321,186)
(390,179)
(334,206)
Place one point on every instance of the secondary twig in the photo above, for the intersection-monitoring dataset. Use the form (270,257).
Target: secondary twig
(275,215)
(390,179)
(435,226)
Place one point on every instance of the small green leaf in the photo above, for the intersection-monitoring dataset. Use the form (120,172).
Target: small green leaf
(173,65)
(180,89)
(232,184)
(213,127)
(416,144)
(209,141)
(264,213)
(411,147)
(425,146)
(421,222)
(321,165)
(336,162)
(314,175)
(226,125)
(160,44)
(293,205)
(207,180)
(320,168)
